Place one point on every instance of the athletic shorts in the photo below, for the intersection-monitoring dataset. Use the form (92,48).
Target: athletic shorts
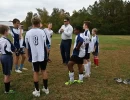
(95,53)
(76,59)
(7,63)
(19,52)
(39,65)
(87,56)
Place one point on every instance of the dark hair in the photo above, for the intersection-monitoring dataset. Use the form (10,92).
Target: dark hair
(36,20)
(3,29)
(67,19)
(79,28)
(87,23)
(15,20)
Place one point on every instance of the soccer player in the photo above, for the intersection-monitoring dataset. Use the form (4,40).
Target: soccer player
(6,49)
(16,33)
(66,31)
(77,56)
(95,41)
(87,38)
(35,40)
(49,34)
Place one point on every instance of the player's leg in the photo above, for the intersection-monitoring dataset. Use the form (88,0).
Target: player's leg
(81,68)
(44,76)
(86,65)
(49,47)
(36,79)
(96,61)
(62,49)
(7,63)
(71,73)
(16,62)
(22,52)
(67,50)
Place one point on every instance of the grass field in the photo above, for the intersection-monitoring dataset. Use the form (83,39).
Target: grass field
(114,62)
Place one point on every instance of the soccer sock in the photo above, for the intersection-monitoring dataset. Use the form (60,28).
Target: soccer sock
(87,72)
(81,76)
(71,75)
(7,86)
(45,82)
(89,63)
(97,61)
(16,67)
(21,66)
(36,86)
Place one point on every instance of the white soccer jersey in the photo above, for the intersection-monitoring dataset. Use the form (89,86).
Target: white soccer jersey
(35,40)
(17,31)
(5,46)
(49,34)
(81,52)
(87,38)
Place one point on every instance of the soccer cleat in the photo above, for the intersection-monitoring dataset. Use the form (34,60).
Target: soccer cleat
(118,80)
(24,69)
(126,81)
(96,66)
(10,92)
(18,71)
(86,76)
(36,93)
(79,81)
(46,91)
(70,82)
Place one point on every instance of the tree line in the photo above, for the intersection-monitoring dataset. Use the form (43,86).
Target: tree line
(108,16)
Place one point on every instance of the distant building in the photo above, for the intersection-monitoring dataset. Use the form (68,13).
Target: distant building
(7,23)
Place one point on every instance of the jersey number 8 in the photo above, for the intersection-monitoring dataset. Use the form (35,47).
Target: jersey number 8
(35,40)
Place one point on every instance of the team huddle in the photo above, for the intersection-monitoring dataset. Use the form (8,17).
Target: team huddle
(36,45)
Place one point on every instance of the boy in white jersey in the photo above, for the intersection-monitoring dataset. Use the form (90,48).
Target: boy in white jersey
(87,39)
(35,40)
(6,49)
(95,42)
(77,56)
(16,33)
(49,34)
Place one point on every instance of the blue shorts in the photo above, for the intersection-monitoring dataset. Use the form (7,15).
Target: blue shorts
(19,51)
(7,63)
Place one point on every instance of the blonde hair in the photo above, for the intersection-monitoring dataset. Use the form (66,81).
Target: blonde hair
(95,30)
(36,20)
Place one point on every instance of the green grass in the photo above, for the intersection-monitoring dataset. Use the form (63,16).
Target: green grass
(114,62)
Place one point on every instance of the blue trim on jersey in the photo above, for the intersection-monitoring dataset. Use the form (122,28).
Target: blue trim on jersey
(16,39)
(86,33)
(12,46)
(96,44)
(29,53)
(79,39)
(45,52)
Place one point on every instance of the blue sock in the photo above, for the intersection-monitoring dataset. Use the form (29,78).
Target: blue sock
(16,67)
(21,66)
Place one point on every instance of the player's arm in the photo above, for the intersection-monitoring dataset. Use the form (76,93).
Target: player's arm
(69,31)
(79,43)
(21,32)
(26,49)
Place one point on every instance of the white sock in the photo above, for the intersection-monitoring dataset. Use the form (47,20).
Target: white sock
(81,77)
(87,70)
(89,63)
(71,75)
